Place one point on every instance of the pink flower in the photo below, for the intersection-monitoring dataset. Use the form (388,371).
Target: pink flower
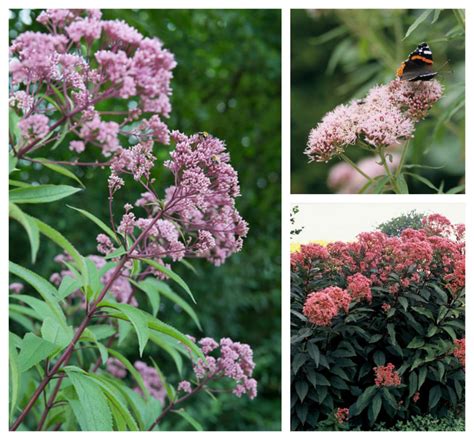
(77,146)
(105,245)
(151,380)
(235,362)
(385,117)
(386,377)
(16,287)
(116,368)
(416,397)
(34,127)
(185,386)
(342,414)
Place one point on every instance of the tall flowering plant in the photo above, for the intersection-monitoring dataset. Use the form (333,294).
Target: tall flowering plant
(378,327)
(66,366)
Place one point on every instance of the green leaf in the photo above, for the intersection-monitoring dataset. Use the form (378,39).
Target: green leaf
(449,331)
(416,342)
(98,222)
(402,184)
(53,332)
(301,389)
(423,180)
(298,361)
(166,291)
(95,413)
(404,302)
(59,169)
(138,320)
(412,383)
(41,193)
(33,350)
(63,243)
(133,371)
(374,408)
(155,324)
(391,333)
(169,273)
(434,396)
(421,18)
(423,371)
(151,293)
(13,128)
(314,352)
(160,340)
(30,227)
(363,400)
(379,358)
(191,420)
(68,285)
(43,287)
(15,375)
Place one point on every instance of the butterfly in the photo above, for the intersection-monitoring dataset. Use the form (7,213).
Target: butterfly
(418,66)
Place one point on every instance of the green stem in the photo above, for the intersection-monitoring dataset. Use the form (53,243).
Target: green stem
(402,159)
(393,181)
(354,165)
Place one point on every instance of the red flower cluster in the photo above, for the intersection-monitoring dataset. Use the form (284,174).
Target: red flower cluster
(342,414)
(358,287)
(386,377)
(416,397)
(321,307)
(307,254)
(460,351)
(437,251)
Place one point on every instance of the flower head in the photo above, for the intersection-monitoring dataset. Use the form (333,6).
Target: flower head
(385,376)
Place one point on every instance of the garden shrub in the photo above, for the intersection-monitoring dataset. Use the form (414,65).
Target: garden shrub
(378,328)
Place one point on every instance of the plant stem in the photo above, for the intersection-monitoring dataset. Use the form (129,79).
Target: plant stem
(393,180)
(64,358)
(171,405)
(49,403)
(402,159)
(354,165)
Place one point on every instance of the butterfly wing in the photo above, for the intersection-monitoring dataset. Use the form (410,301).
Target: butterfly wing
(418,66)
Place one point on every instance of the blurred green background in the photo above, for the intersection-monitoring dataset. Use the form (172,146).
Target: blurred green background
(338,55)
(227,83)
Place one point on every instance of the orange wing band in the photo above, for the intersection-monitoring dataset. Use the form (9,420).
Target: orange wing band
(419,57)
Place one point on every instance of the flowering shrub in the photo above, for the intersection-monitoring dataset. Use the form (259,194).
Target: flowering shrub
(379,123)
(67,371)
(378,327)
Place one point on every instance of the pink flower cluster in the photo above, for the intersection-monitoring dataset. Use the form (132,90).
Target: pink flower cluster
(385,376)
(198,214)
(152,381)
(89,60)
(116,368)
(322,306)
(460,351)
(234,361)
(386,116)
(342,414)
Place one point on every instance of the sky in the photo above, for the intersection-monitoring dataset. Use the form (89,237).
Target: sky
(343,221)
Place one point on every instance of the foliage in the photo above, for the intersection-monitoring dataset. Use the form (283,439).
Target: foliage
(376,328)
(450,422)
(338,55)
(396,225)
(231,113)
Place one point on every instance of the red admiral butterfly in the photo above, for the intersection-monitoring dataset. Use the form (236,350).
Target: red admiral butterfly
(418,66)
